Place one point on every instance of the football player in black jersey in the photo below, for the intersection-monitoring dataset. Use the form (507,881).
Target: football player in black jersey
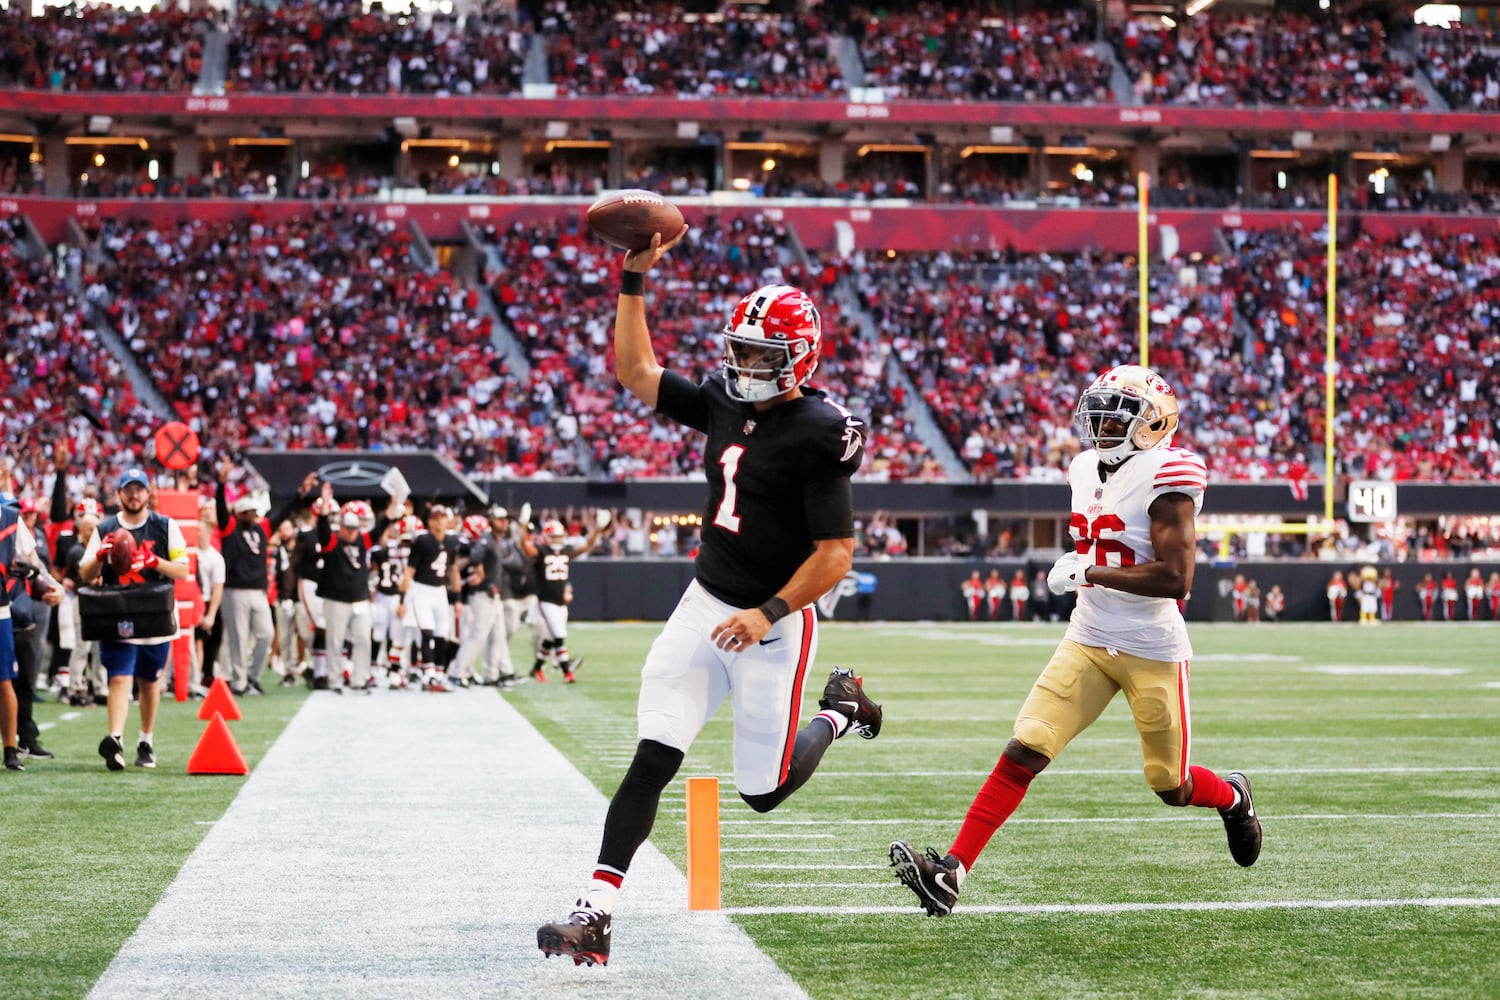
(551,560)
(431,571)
(778,534)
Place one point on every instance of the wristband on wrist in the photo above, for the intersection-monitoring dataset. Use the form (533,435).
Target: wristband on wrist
(632,283)
(775,609)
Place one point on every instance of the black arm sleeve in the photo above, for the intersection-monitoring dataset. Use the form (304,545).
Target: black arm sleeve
(221,506)
(60,511)
(682,401)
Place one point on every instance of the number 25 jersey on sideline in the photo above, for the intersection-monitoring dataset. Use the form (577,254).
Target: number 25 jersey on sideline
(1111,525)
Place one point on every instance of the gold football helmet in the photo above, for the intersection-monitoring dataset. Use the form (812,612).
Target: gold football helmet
(1131,395)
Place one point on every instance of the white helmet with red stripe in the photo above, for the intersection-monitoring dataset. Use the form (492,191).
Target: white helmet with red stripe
(475,525)
(364,512)
(409,527)
(1127,409)
(771,343)
(554,531)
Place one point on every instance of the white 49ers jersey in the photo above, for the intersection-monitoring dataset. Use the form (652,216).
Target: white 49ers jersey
(1111,524)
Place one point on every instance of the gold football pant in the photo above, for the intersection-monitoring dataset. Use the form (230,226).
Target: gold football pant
(1081,680)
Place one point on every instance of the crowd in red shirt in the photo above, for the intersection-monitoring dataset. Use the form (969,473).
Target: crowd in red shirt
(654,48)
(58,382)
(1281,59)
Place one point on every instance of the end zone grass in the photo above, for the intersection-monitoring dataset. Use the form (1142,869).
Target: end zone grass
(1375,757)
(85,852)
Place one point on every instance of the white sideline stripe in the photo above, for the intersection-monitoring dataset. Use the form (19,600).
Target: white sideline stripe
(1098,771)
(1437,902)
(1231,740)
(69,716)
(343,871)
(1196,816)
(782,868)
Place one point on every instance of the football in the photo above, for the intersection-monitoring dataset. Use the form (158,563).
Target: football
(123,553)
(627,219)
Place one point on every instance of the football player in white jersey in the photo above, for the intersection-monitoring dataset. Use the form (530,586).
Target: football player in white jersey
(1134,502)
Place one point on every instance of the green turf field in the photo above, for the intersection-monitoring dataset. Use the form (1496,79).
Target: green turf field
(1375,755)
(85,853)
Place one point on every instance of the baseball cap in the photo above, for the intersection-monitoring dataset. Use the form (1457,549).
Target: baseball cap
(28,506)
(349,520)
(87,507)
(498,512)
(133,475)
(243,504)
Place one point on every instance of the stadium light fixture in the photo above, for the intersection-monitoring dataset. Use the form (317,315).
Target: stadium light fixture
(1274,154)
(969,151)
(760,146)
(409,144)
(1197,7)
(106,140)
(261,141)
(891,147)
(577,144)
(17,137)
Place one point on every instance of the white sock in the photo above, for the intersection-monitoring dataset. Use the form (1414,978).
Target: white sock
(1238,798)
(960,873)
(838,720)
(600,895)
(146,739)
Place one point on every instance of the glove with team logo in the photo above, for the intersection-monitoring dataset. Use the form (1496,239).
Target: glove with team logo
(145,559)
(525,519)
(1067,573)
(603,518)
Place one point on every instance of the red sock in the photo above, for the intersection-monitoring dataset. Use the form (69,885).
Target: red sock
(1002,792)
(1210,790)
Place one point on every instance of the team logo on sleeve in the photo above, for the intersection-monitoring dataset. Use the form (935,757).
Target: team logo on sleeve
(853,440)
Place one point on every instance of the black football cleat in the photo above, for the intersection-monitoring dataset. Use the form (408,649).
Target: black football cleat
(13,759)
(584,937)
(1241,823)
(113,752)
(145,754)
(845,694)
(934,879)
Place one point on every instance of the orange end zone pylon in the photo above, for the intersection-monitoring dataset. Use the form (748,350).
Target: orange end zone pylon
(221,700)
(703,843)
(217,753)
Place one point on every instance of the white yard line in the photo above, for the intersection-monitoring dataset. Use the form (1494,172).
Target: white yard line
(1184,816)
(1135,771)
(1109,908)
(408,845)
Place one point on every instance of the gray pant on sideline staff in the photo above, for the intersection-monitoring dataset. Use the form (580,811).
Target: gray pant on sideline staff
(247,635)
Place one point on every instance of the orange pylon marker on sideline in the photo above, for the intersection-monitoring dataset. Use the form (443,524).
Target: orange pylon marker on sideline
(217,752)
(703,843)
(221,700)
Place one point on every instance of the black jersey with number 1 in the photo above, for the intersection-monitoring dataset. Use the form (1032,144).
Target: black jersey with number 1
(778,482)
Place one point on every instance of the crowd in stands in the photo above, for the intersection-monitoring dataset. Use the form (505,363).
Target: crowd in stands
(1413,405)
(317,332)
(940,52)
(1463,63)
(101,48)
(1285,59)
(336,46)
(557,289)
(918,50)
(59,386)
(1001,346)
(654,49)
